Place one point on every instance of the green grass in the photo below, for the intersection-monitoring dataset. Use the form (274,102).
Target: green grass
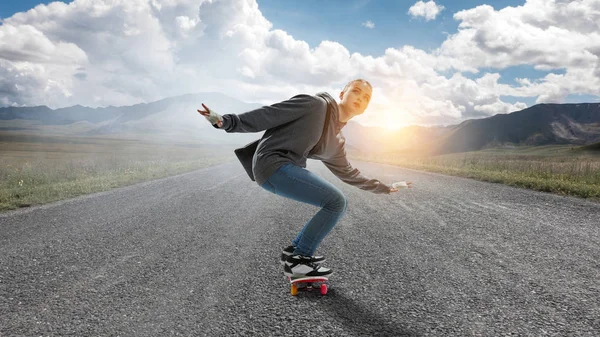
(37,170)
(555,169)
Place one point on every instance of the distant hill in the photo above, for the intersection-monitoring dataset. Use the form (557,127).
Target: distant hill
(542,124)
(595,147)
(173,118)
(176,118)
(378,139)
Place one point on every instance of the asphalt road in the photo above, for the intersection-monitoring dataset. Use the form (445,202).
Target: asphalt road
(197,255)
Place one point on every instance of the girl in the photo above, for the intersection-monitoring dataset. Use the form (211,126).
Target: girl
(298,129)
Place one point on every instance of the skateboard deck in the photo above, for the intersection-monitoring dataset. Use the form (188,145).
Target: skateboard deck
(308,283)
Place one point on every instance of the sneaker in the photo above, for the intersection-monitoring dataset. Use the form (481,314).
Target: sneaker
(289,251)
(302,266)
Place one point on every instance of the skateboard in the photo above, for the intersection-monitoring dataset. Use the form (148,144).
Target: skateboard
(308,283)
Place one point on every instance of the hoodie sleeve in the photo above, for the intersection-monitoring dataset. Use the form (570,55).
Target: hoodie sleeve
(270,116)
(342,169)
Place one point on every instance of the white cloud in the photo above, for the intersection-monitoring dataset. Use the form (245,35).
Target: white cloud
(186,23)
(122,45)
(126,51)
(368,24)
(429,10)
(546,35)
(25,43)
(531,34)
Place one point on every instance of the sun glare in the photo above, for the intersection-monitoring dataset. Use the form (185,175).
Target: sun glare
(387,119)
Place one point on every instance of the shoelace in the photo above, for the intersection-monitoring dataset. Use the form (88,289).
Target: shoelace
(308,261)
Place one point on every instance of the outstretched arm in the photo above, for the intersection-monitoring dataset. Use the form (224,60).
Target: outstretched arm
(266,117)
(341,168)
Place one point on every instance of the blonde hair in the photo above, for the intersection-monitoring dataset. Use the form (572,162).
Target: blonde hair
(358,80)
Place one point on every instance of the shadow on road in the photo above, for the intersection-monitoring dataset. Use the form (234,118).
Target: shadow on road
(359,319)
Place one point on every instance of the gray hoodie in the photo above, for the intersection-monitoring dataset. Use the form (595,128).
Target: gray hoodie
(293,127)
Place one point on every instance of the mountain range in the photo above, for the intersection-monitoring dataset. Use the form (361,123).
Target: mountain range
(176,119)
(541,124)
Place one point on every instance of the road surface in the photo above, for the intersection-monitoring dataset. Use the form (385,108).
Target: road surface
(197,254)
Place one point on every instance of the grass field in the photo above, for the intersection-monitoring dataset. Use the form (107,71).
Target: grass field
(37,170)
(556,169)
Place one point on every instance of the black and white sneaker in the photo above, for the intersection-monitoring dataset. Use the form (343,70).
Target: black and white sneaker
(289,251)
(302,266)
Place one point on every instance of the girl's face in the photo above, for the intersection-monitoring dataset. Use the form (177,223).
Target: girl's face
(356,98)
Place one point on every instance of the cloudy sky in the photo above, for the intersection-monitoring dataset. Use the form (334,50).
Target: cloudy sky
(429,62)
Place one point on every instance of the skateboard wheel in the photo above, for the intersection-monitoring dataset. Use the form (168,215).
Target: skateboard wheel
(323,289)
(294,290)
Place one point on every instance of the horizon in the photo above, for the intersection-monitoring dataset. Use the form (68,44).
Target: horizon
(430,63)
(389,128)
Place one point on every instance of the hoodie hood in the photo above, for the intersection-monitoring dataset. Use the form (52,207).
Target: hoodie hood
(335,110)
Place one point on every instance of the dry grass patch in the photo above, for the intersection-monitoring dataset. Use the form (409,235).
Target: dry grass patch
(576,175)
(36,170)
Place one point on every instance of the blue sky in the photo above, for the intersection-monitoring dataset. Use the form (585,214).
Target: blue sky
(10,7)
(156,49)
(337,21)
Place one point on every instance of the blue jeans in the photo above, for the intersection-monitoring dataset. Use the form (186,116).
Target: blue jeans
(297,183)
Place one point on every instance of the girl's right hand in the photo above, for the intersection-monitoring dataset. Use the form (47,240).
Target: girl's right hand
(213,117)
